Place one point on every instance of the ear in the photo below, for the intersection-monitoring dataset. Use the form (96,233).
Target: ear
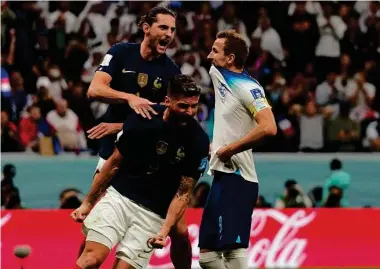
(231,59)
(167,101)
(146,28)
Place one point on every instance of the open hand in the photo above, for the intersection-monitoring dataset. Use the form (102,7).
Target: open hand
(142,106)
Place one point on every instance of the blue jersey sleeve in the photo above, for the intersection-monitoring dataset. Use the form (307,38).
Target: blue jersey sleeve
(196,161)
(111,61)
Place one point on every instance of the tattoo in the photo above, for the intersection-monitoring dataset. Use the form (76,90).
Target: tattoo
(185,188)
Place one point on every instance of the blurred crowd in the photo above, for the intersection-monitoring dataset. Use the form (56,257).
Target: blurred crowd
(331,193)
(319,63)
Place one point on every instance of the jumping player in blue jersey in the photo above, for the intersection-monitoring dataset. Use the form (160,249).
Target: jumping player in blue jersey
(147,181)
(131,78)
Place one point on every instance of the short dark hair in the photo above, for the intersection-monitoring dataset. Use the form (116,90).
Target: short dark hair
(235,44)
(182,85)
(151,17)
(68,190)
(290,183)
(335,164)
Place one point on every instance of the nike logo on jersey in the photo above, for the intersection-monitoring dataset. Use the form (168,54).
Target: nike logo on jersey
(127,71)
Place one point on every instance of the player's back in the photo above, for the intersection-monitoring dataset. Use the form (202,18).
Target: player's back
(132,74)
(237,98)
(155,156)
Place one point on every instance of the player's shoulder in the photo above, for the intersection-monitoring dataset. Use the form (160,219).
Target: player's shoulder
(171,66)
(123,47)
(136,122)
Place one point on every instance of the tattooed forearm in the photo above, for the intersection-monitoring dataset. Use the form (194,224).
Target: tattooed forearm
(178,205)
(185,188)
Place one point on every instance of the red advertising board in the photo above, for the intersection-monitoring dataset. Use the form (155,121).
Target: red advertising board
(291,238)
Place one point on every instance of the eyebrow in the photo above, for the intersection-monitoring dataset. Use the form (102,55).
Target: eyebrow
(166,27)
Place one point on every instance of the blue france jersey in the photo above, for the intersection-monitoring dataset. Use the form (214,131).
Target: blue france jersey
(132,74)
(156,154)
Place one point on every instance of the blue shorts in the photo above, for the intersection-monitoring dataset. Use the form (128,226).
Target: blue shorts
(227,216)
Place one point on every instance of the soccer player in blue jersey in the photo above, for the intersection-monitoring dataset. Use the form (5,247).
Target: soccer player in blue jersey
(131,78)
(147,181)
(243,117)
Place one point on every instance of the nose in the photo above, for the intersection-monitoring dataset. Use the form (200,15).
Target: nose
(190,111)
(209,56)
(170,33)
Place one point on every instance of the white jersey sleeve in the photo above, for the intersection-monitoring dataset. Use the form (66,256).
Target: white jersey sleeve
(252,96)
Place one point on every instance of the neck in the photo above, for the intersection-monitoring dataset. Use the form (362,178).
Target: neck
(146,52)
(235,69)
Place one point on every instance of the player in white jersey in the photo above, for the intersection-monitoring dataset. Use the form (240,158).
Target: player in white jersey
(243,117)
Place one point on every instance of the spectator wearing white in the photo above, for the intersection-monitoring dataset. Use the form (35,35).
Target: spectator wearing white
(90,20)
(229,21)
(269,38)
(192,67)
(326,93)
(312,7)
(92,64)
(57,82)
(369,17)
(64,13)
(66,125)
(361,97)
(331,29)
(127,21)
(372,136)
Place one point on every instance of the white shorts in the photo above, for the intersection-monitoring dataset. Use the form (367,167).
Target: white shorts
(122,221)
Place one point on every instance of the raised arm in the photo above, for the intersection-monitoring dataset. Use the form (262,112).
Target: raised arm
(100,85)
(100,90)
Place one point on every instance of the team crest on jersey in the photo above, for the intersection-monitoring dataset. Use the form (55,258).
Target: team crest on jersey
(223,91)
(180,154)
(161,147)
(257,94)
(157,83)
(142,79)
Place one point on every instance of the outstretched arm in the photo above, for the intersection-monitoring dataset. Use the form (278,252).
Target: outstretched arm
(176,209)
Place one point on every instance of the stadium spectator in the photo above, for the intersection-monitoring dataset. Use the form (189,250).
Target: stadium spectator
(66,126)
(70,198)
(331,29)
(262,203)
(10,197)
(338,179)
(293,196)
(270,40)
(372,136)
(343,134)
(32,127)
(334,198)
(10,139)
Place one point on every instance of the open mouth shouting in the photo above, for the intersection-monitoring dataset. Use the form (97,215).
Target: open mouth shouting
(163,44)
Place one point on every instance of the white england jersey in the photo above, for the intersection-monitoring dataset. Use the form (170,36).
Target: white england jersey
(238,97)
